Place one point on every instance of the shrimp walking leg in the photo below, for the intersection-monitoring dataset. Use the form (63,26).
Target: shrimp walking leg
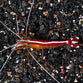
(27,58)
(27,37)
(51,31)
(28,61)
(44,61)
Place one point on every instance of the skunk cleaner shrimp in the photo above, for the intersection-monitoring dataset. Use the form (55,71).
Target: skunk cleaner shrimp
(24,42)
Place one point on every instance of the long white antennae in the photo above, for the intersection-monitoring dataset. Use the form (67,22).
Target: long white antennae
(7,48)
(7,58)
(9,29)
(42,67)
(17,24)
(29,16)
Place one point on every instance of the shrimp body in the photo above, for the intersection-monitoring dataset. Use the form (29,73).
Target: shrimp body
(39,44)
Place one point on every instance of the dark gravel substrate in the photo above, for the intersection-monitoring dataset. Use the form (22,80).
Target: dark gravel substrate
(45,16)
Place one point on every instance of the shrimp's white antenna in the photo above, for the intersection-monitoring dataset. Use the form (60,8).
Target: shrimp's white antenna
(9,29)
(17,24)
(7,58)
(7,48)
(29,15)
